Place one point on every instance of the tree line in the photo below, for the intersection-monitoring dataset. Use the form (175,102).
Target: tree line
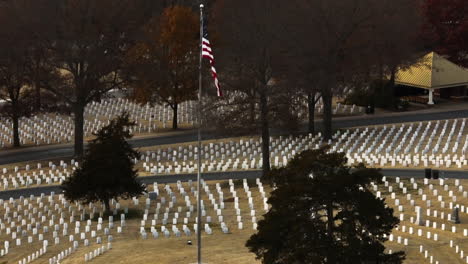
(271,55)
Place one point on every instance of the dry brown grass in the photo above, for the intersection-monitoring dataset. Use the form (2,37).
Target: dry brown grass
(218,248)
(221,248)
(439,249)
(129,247)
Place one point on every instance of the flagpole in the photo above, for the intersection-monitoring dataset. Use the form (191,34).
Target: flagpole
(199,222)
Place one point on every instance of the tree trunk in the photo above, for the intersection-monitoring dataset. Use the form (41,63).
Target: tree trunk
(327,113)
(265,132)
(79,126)
(330,227)
(311,108)
(252,111)
(16,139)
(107,205)
(378,89)
(37,95)
(391,85)
(174,117)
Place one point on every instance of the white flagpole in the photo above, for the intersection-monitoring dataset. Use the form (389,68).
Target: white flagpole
(199,222)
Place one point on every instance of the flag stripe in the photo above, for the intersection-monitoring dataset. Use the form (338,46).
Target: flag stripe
(207,53)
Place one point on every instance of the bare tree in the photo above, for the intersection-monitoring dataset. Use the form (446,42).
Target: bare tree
(14,78)
(248,57)
(87,48)
(335,40)
(37,29)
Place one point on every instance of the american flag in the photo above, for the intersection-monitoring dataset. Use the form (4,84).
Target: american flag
(207,53)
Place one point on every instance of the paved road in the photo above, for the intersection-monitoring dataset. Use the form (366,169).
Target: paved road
(419,173)
(36,191)
(59,151)
(410,117)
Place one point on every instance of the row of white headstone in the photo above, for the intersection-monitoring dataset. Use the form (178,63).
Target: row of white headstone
(32,257)
(16,178)
(97,252)
(169,197)
(427,255)
(54,128)
(378,146)
(22,210)
(338,109)
(406,145)
(458,250)
(430,211)
(35,217)
(247,149)
(245,154)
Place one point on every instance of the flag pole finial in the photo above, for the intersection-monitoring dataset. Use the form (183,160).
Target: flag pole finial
(201,5)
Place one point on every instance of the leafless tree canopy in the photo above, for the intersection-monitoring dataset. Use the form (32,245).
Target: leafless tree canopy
(270,54)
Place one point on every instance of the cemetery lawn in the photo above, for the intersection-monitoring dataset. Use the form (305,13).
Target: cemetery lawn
(230,248)
(130,247)
(218,248)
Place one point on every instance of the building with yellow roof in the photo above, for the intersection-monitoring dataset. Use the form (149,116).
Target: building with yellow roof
(435,73)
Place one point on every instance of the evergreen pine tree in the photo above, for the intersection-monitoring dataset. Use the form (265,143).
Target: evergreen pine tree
(322,211)
(107,169)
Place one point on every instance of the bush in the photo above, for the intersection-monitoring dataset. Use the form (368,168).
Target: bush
(379,93)
(403,105)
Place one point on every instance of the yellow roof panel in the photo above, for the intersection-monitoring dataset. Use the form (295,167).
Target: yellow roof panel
(432,71)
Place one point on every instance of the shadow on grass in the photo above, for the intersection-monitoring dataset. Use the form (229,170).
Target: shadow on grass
(239,183)
(133,213)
